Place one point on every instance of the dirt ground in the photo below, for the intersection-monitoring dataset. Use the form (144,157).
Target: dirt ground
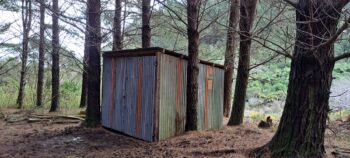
(47,139)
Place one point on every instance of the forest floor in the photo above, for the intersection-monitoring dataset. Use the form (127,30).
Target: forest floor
(45,139)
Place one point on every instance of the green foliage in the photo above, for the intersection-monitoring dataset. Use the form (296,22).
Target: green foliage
(69,89)
(70,95)
(341,70)
(269,82)
(339,114)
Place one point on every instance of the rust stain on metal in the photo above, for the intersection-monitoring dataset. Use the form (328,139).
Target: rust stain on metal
(178,95)
(208,86)
(112,102)
(139,94)
(145,95)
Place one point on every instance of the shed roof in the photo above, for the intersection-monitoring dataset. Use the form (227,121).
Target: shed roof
(152,51)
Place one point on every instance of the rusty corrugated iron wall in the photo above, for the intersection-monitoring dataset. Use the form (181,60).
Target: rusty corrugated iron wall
(144,94)
(106,91)
(129,95)
(210,107)
(172,113)
(173,80)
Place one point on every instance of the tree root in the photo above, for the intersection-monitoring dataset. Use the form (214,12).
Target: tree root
(261,152)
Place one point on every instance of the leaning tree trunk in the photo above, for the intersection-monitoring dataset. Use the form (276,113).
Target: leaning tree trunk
(27,21)
(303,123)
(146,28)
(55,70)
(248,9)
(117,26)
(94,63)
(40,82)
(230,55)
(193,61)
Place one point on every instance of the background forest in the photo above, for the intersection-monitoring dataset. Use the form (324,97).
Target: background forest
(273,31)
(283,60)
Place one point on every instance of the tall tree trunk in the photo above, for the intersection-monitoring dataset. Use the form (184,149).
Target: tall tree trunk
(26,21)
(146,28)
(248,9)
(230,54)
(303,123)
(117,26)
(55,58)
(94,68)
(40,82)
(84,86)
(193,61)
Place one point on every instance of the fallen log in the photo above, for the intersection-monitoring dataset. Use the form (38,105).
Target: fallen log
(32,120)
(71,117)
(60,119)
(41,116)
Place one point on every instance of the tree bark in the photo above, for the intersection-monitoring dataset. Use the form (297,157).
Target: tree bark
(248,9)
(55,70)
(230,55)
(303,123)
(146,28)
(84,86)
(40,82)
(94,67)
(27,22)
(193,61)
(117,26)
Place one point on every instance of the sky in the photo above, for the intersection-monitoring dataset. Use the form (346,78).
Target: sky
(72,8)
(74,43)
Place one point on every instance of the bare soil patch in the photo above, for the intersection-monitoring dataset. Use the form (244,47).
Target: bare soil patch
(45,139)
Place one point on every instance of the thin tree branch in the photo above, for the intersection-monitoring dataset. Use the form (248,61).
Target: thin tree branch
(341,3)
(293,3)
(264,62)
(174,12)
(332,39)
(343,56)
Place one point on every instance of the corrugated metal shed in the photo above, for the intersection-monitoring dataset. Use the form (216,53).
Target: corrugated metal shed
(144,93)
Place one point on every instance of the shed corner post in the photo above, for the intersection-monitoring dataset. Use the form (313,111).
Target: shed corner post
(157,97)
